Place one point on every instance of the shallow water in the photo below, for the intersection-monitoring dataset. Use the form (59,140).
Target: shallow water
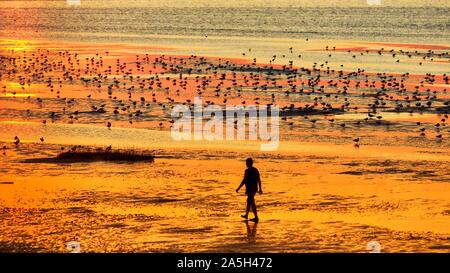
(321,192)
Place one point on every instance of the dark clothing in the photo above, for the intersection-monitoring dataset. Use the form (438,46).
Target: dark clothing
(250,196)
(251,180)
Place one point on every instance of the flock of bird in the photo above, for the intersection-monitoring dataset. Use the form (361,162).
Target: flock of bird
(122,88)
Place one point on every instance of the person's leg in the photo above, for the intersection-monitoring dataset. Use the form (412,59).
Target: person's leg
(254,209)
(253,206)
(247,209)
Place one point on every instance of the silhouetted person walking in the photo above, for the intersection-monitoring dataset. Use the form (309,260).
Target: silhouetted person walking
(252,182)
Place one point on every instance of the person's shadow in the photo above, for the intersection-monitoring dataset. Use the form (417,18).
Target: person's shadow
(251,231)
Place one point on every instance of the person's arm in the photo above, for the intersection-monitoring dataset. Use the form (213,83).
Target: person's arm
(242,183)
(259,183)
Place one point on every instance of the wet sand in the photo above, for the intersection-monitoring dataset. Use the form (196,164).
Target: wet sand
(321,193)
(185,201)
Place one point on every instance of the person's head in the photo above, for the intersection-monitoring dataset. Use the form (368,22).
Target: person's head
(249,162)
